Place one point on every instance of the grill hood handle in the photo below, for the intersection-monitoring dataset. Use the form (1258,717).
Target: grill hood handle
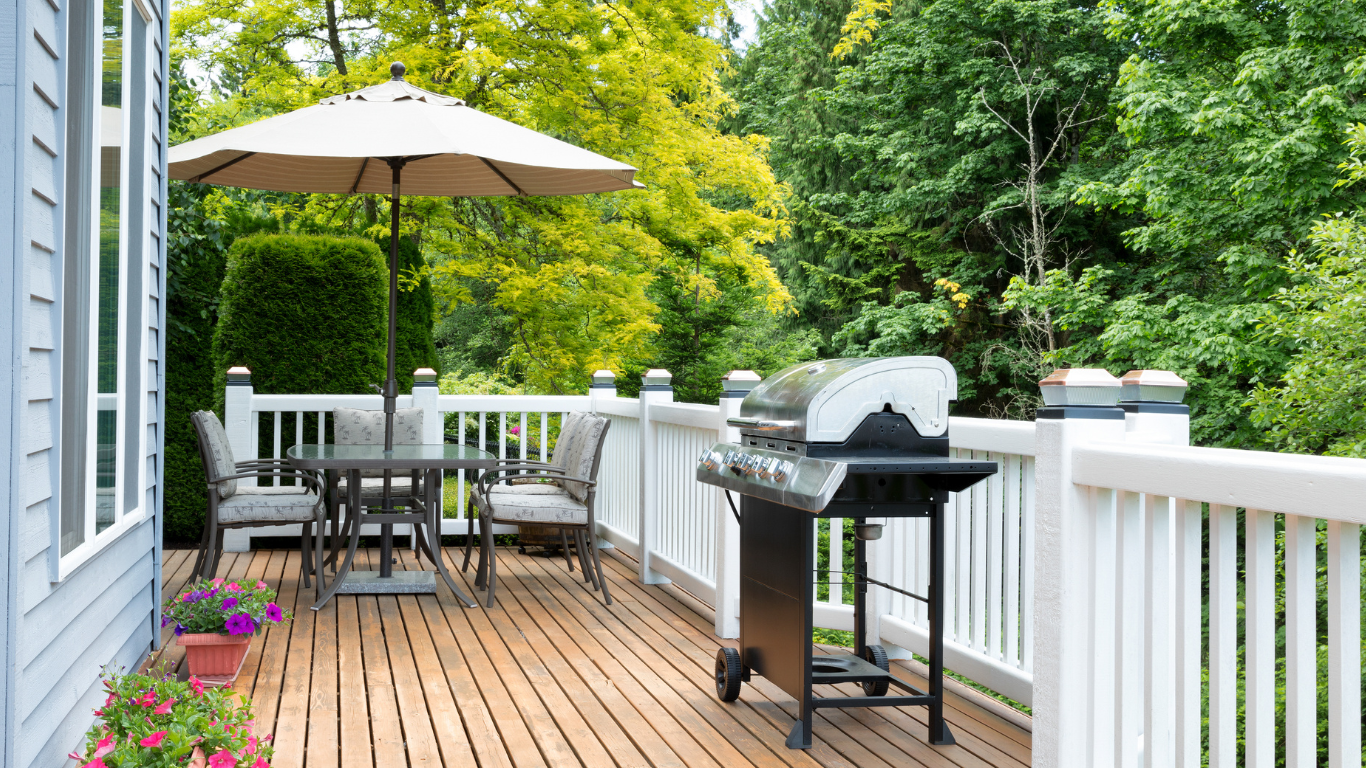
(744,422)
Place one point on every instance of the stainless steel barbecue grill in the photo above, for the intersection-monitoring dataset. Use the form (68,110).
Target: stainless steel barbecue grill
(860,438)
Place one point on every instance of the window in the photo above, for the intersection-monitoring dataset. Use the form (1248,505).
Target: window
(104,328)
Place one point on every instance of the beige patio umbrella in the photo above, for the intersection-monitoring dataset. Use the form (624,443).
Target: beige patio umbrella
(366,140)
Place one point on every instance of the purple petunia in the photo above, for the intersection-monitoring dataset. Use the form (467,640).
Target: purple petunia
(229,603)
(196,596)
(274,613)
(165,620)
(240,624)
(179,629)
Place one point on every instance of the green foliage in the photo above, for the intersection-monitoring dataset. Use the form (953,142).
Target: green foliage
(172,718)
(307,314)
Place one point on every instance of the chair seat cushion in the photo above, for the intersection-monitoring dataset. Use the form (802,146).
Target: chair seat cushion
(559,508)
(268,490)
(268,508)
(527,489)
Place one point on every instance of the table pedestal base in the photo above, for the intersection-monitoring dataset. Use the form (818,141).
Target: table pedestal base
(401,583)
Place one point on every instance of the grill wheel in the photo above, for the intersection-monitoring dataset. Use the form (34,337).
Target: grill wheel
(728,674)
(875,655)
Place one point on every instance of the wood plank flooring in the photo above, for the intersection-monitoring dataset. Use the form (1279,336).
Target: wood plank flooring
(549,678)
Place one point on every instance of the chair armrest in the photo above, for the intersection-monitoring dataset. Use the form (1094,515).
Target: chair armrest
(311,480)
(551,473)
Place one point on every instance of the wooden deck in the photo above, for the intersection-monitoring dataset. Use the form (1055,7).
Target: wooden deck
(550,677)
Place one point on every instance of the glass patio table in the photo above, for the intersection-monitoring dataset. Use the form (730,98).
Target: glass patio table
(423,513)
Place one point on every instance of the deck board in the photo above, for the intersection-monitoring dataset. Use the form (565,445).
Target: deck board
(549,678)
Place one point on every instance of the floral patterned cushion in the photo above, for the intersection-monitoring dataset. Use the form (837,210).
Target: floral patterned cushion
(537,508)
(220,451)
(357,426)
(527,489)
(268,508)
(582,452)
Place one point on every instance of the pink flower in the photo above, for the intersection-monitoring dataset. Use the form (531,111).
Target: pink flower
(110,700)
(251,745)
(96,763)
(164,708)
(262,585)
(182,597)
(223,759)
(104,746)
(260,763)
(217,582)
(197,686)
(233,587)
(154,740)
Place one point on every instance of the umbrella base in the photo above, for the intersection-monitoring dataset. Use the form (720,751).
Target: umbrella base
(401,583)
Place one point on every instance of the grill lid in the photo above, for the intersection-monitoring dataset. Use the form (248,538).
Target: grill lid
(825,401)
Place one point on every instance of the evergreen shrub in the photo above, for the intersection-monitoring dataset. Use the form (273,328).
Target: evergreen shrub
(307,314)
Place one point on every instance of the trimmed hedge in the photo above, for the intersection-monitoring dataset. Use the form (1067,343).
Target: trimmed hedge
(307,314)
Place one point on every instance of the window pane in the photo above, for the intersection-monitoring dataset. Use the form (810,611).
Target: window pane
(110,272)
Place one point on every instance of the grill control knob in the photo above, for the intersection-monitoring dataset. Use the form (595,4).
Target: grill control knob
(708,459)
(781,472)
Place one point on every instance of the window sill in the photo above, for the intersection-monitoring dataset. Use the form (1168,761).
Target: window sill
(77,558)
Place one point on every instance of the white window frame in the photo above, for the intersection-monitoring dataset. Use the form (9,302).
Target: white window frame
(132,383)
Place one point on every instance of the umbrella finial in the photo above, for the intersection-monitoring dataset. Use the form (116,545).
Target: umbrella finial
(397,69)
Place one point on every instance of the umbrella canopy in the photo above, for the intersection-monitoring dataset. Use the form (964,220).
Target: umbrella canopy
(343,143)
(371,140)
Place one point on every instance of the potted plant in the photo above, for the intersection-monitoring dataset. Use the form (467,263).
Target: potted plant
(162,722)
(215,620)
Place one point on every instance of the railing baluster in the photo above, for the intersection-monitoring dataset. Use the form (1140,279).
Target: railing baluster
(522,437)
(979,565)
(1260,622)
(1129,697)
(1223,636)
(950,566)
(1301,646)
(1344,644)
(995,570)
(462,507)
(1027,569)
(1011,468)
(298,427)
(963,589)
(1157,653)
(836,596)
(1102,509)
(502,434)
(279,427)
(545,436)
(1187,633)
(322,427)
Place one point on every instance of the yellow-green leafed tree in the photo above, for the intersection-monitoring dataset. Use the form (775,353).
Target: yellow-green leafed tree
(636,81)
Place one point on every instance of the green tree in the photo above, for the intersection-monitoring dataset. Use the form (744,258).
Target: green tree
(416,347)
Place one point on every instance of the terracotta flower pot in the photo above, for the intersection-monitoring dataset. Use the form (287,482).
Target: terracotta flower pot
(212,655)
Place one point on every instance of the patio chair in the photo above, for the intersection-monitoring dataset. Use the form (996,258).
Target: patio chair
(560,494)
(358,426)
(238,505)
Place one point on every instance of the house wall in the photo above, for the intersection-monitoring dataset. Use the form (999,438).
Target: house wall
(61,629)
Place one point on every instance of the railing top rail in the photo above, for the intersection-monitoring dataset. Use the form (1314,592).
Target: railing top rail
(1327,487)
(685,414)
(997,435)
(620,406)
(534,403)
(266,403)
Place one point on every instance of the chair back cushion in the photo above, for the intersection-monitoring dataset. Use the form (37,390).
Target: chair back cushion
(216,451)
(357,426)
(582,452)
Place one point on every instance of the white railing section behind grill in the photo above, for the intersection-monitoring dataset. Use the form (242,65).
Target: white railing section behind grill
(618,501)
(685,537)
(989,564)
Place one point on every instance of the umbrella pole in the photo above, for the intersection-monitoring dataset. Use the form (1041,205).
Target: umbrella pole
(386,537)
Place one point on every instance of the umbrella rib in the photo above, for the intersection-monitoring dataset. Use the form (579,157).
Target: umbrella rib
(364,162)
(502,176)
(200,178)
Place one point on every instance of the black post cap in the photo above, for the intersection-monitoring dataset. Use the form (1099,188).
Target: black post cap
(397,69)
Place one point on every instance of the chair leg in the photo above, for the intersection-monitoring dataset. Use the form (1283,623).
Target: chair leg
(305,538)
(490,575)
(203,549)
(580,545)
(597,564)
(318,558)
(211,567)
(564,545)
(469,535)
(482,568)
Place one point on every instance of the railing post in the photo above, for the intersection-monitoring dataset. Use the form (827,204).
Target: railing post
(237,418)
(654,388)
(1063,642)
(604,387)
(734,386)
(426,396)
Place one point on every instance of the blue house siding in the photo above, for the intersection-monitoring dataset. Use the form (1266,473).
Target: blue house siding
(59,635)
